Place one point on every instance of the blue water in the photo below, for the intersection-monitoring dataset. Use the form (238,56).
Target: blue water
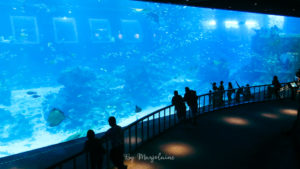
(94,59)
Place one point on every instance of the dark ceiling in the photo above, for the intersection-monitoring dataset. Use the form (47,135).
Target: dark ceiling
(277,7)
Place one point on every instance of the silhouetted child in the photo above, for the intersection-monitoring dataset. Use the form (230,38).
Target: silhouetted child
(116,137)
(180,107)
(93,146)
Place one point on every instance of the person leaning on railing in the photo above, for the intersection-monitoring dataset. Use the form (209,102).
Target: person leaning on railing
(180,107)
(190,97)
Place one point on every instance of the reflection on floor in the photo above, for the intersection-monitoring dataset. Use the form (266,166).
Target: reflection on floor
(292,112)
(236,120)
(177,149)
(270,115)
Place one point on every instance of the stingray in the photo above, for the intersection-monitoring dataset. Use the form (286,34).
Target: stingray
(55,117)
(138,109)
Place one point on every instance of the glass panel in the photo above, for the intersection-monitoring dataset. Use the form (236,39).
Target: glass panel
(100,30)
(130,31)
(65,30)
(25,30)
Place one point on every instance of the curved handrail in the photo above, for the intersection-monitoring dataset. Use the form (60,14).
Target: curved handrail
(154,118)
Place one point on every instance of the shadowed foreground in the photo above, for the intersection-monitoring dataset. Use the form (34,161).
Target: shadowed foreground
(247,136)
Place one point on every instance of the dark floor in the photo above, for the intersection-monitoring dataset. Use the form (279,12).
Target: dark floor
(247,136)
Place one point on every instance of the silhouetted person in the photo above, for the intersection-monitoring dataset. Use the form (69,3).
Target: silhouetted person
(214,86)
(116,137)
(190,97)
(180,107)
(238,94)
(93,146)
(229,92)
(247,93)
(276,86)
(215,94)
(221,90)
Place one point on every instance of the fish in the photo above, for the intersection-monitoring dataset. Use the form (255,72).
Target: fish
(138,109)
(36,96)
(153,16)
(148,13)
(55,117)
(31,93)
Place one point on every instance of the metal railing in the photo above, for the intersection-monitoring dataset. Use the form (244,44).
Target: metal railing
(152,125)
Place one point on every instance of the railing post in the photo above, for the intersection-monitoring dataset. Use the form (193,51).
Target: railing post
(87,160)
(164,119)
(148,127)
(198,105)
(74,163)
(175,117)
(259,97)
(223,98)
(153,132)
(129,141)
(203,104)
(142,140)
(254,94)
(136,126)
(107,154)
(159,122)
(169,117)
(265,97)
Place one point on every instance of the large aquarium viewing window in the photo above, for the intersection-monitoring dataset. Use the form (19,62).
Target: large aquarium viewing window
(65,30)
(25,30)
(100,30)
(67,66)
(130,31)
